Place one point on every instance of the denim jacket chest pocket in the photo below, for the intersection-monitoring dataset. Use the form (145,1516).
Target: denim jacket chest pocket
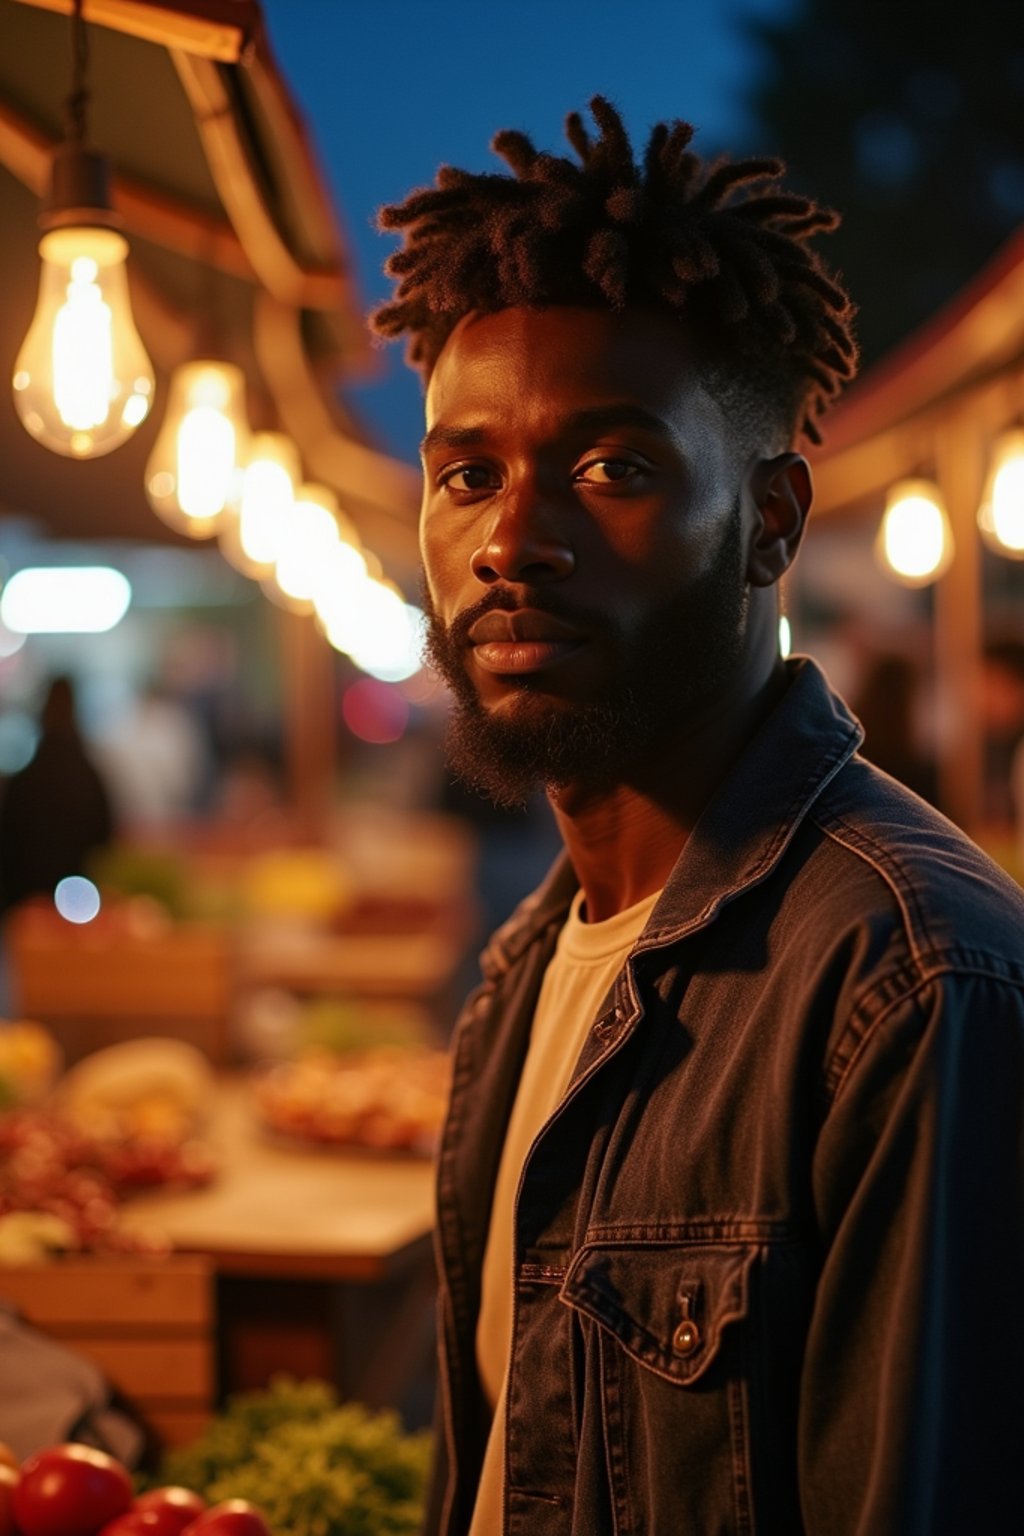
(677,1350)
(669,1307)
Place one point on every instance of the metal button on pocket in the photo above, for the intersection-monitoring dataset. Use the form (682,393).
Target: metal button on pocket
(686,1337)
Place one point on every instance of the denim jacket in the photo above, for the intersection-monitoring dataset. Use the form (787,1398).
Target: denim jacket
(769,1249)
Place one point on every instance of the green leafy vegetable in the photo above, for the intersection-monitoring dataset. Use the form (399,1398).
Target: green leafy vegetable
(315,1467)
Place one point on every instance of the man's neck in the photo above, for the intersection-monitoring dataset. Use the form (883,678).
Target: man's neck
(624,840)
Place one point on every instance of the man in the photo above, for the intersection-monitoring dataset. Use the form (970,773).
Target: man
(729,1195)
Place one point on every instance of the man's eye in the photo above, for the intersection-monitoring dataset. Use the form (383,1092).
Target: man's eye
(607,471)
(468,477)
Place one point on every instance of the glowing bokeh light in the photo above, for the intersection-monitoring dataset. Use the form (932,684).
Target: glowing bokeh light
(915,539)
(1001,514)
(64,600)
(76,899)
(374,712)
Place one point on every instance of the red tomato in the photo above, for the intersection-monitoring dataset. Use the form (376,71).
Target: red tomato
(70,1490)
(132,1523)
(8,1483)
(235,1517)
(146,1522)
(177,1507)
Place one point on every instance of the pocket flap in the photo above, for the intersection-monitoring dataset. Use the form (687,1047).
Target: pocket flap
(666,1305)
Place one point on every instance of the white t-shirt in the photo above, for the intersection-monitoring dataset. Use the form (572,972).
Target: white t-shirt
(586,961)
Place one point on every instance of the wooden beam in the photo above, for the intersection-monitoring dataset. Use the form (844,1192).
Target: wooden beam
(847,475)
(311,731)
(188,231)
(979,333)
(209,29)
(239,184)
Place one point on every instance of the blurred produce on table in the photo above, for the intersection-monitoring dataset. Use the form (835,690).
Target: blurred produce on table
(388,1099)
(125,1119)
(30,1060)
(314,1466)
(74,1489)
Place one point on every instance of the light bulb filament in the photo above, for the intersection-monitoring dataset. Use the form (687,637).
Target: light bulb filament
(206,461)
(83,351)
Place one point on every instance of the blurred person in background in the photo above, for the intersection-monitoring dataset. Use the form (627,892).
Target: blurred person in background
(56,812)
(887,706)
(1002,713)
(157,761)
(730,1228)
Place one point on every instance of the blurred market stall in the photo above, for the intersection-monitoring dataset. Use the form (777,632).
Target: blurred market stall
(932,437)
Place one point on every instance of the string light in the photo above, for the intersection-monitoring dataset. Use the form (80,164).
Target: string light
(915,541)
(82,379)
(1001,514)
(311,537)
(193,470)
(255,529)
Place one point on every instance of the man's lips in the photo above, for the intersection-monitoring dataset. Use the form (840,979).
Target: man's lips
(523,641)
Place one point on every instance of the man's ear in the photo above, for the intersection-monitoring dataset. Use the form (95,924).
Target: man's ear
(781,492)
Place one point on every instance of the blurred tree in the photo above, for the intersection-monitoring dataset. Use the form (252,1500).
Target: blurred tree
(909,119)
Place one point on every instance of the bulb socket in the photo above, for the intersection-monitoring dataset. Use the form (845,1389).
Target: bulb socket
(79,190)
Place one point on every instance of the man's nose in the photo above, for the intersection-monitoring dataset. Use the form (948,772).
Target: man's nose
(524,541)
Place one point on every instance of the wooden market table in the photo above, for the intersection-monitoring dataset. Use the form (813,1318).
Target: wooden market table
(322,1260)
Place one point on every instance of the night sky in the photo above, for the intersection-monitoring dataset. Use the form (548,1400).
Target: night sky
(391,91)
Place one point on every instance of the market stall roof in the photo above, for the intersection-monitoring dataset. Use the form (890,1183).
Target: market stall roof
(231,230)
(968,356)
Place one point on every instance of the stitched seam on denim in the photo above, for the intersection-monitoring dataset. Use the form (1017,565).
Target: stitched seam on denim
(837,1072)
(709,1232)
(891,871)
(739,1437)
(616,1460)
(450,1334)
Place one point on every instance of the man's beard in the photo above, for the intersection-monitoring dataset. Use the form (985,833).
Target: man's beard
(684,654)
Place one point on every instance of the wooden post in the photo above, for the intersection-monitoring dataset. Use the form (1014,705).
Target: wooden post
(959,456)
(309,722)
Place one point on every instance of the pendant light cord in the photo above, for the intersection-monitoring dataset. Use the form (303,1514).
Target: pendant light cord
(77,100)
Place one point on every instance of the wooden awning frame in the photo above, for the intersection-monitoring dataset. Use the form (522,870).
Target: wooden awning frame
(207,40)
(934,405)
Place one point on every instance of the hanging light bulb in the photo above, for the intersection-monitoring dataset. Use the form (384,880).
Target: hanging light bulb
(311,535)
(82,379)
(338,584)
(379,630)
(254,526)
(193,470)
(915,541)
(1001,514)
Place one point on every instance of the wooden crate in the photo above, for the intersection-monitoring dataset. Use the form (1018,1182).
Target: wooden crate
(94,987)
(147,1323)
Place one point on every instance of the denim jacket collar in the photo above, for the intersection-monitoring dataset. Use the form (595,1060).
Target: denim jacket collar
(742,833)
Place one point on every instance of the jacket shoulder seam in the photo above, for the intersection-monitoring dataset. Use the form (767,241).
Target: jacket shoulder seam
(864,1024)
(881,859)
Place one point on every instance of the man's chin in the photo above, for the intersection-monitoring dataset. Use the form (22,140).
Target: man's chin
(532,741)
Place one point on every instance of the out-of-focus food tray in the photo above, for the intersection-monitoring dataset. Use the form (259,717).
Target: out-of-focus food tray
(382,1101)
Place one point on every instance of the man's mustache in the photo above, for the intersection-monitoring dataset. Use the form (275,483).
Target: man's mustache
(505,600)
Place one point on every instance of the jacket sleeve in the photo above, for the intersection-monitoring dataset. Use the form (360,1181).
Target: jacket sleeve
(912,1409)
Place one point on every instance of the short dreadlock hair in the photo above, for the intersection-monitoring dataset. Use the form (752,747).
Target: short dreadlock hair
(721,244)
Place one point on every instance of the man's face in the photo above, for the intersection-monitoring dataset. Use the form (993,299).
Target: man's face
(583,543)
